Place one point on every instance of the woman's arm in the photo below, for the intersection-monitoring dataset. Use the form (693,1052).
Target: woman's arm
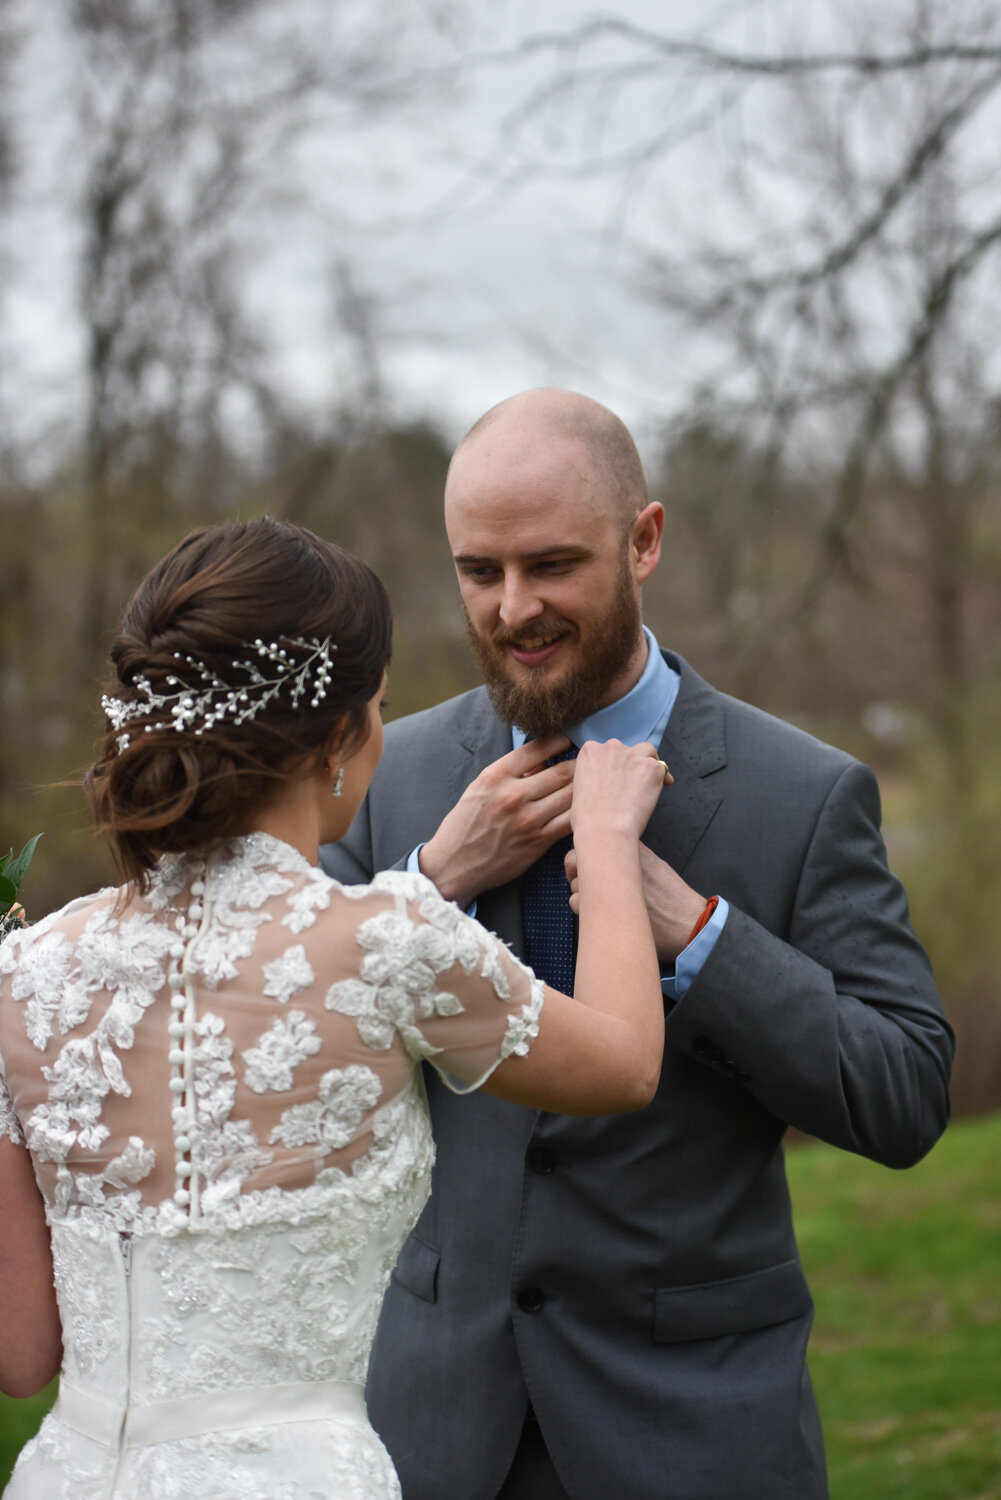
(30,1334)
(601,1051)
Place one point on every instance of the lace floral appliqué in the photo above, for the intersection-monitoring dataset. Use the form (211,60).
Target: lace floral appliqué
(345,1097)
(269,1065)
(287,975)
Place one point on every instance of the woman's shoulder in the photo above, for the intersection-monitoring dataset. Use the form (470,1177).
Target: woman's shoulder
(400,897)
(407,885)
(68,921)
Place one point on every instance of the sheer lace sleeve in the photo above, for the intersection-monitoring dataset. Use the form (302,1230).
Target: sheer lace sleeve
(10,1125)
(454,993)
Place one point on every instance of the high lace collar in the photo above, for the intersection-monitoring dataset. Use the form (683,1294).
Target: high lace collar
(264,848)
(256,848)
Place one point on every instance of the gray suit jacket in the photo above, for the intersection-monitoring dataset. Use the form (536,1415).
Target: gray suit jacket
(637,1276)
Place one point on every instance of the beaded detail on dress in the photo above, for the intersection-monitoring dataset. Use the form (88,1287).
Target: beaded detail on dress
(218,1083)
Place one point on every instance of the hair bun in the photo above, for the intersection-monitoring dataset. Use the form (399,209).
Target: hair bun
(239,656)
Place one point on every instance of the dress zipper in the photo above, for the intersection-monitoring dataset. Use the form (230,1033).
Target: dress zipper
(125,1250)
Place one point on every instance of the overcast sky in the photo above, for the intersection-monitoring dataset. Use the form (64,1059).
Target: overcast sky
(504,290)
(516,287)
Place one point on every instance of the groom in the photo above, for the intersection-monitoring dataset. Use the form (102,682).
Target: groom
(599,1307)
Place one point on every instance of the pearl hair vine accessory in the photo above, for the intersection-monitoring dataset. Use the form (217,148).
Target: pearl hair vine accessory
(211,699)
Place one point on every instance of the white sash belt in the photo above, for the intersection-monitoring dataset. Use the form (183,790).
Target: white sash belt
(190,1416)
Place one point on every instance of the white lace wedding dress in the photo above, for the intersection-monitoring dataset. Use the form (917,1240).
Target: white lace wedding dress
(219,1086)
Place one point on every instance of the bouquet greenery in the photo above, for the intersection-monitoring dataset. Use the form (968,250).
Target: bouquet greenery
(13,869)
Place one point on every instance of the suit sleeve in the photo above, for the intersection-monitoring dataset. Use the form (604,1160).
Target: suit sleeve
(838,1030)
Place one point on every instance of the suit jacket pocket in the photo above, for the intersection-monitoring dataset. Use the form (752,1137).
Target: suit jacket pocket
(737,1305)
(417,1269)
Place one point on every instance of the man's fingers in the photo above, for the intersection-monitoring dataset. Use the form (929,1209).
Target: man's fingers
(550,781)
(558,826)
(527,766)
(533,754)
(570,866)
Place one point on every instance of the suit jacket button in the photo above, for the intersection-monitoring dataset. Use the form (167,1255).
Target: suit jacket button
(542,1159)
(530,1299)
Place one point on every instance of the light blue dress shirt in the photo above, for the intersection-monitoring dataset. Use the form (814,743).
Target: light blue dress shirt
(642,715)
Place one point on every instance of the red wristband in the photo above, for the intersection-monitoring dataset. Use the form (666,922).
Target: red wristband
(711,906)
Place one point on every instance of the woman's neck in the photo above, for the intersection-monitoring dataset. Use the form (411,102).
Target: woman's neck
(291,816)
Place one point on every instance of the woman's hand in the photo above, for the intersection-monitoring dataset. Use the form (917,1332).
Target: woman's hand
(601,1051)
(672,905)
(615,788)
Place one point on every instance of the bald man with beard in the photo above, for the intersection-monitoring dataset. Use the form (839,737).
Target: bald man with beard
(615,1306)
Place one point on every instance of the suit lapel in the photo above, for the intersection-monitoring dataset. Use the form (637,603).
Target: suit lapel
(694,746)
(482,740)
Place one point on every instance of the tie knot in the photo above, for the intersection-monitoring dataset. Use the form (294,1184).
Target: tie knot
(570,754)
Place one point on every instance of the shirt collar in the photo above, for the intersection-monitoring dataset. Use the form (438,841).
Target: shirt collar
(641,715)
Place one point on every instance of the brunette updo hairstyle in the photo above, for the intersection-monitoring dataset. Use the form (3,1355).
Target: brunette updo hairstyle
(221,588)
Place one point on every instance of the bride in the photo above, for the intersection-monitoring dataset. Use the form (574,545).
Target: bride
(213,1135)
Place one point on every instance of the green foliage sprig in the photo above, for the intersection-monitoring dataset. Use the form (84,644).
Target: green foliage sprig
(13,868)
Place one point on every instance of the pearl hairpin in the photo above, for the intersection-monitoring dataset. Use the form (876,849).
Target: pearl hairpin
(199,707)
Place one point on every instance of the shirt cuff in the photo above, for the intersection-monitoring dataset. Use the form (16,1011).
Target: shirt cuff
(414,868)
(691,959)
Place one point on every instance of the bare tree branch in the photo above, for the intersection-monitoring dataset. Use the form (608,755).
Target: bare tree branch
(731,60)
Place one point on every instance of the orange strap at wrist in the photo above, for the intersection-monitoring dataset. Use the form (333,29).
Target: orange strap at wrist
(711,906)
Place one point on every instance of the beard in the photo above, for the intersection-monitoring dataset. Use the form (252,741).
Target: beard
(604,646)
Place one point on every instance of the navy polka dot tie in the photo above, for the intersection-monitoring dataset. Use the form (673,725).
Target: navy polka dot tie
(547,920)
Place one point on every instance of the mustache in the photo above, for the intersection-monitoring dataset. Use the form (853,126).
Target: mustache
(550,628)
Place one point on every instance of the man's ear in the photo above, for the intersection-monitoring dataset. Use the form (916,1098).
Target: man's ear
(644,540)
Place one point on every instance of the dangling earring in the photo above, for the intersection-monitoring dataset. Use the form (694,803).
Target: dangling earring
(338,783)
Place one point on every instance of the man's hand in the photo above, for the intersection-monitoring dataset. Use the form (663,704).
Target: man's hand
(503,822)
(673,906)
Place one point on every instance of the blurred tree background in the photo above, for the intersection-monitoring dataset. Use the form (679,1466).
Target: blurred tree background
(809,230)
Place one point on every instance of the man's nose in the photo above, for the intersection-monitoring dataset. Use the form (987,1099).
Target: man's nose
(519,603)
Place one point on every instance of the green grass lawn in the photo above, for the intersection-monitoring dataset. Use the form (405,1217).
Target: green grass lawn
(18,1422)
(906,1350)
